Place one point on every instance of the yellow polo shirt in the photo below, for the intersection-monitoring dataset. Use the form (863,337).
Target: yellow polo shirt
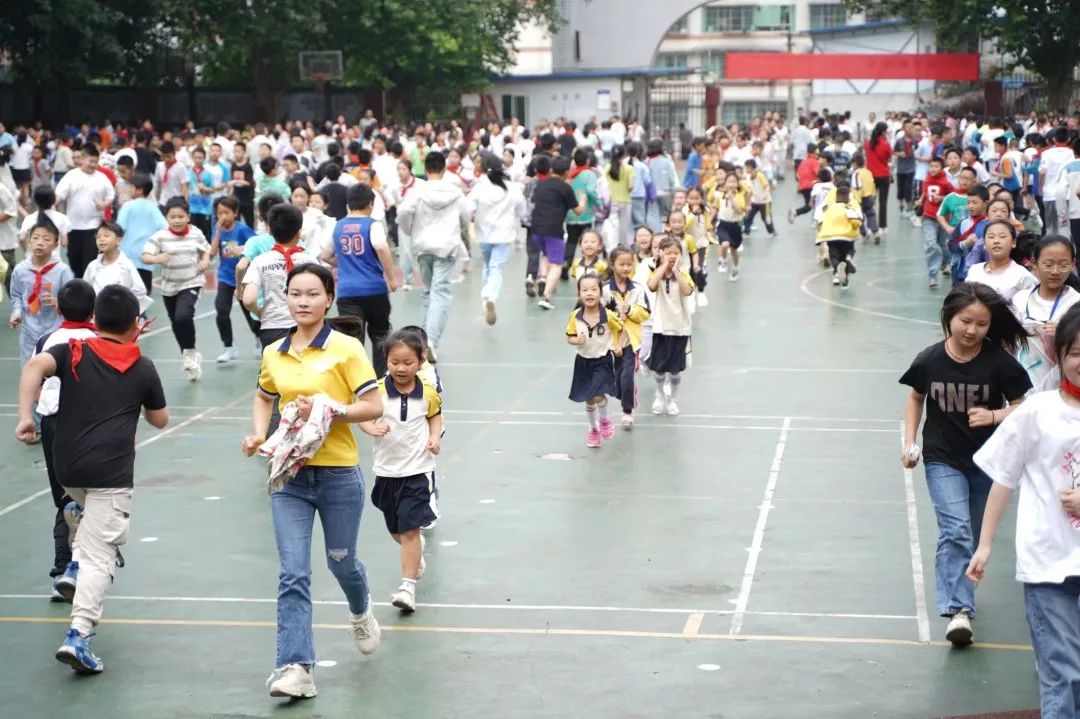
(334,364)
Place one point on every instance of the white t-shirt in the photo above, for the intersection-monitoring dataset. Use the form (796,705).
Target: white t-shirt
(49,399)
(1037,450)
(120,272)
(1034,313)
(81,192)
(9,207)
(63,224)
(1052,162)
(1006,282)
(20,159)
(267,273)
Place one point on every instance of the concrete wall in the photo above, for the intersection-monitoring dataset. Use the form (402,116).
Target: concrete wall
(575,99)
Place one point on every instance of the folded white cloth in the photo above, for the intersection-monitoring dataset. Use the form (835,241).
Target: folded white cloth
(296,441)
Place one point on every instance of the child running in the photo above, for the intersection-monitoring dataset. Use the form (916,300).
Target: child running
(596,331)
(34,284)
(592,256)
(730,210)
(230,236)
(632,306)
(1041,308)
(968,383)
(105,384)
(671,326)
(75,302)
(760,198)
(112,267)
(1037,453)
(840,223)
(407,439)
(183,253)
(1001,272)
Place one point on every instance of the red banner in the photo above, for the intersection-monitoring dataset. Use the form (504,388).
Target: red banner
(835,66)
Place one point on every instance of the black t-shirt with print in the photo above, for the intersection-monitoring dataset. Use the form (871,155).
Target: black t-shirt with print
(552,198)
(244,194)
(98,415)
(991,380)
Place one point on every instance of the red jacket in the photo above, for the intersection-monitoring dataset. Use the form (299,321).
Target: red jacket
(808,170)
(934,190)
(878,157)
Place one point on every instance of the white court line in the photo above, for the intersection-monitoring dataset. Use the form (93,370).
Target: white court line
(916,549)
(759,532)
(139,445)
(804,286)
(485,607)
(168,327)
(710,370)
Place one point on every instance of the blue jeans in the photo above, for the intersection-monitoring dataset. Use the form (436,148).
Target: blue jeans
(435,306)
(338,495)
(405,255)
(959,498)
(495,256)
(639,209)
(935,245)
(1053,615)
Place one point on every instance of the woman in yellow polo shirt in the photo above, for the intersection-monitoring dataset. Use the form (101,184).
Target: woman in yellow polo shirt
(314,358)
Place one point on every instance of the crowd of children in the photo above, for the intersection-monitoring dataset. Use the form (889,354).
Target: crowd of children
(609,217)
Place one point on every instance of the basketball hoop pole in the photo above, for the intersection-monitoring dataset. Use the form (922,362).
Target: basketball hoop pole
(319,78)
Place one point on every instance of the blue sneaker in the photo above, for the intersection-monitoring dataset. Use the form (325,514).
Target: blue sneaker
(65,584)
(72,515)
(75,652)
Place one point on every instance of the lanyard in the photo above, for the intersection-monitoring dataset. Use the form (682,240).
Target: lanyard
(1053,309)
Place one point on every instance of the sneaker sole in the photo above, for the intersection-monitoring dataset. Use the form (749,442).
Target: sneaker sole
(960,637)
(64,655)
(65,590)
(403,606)
(279,693)
(489,312)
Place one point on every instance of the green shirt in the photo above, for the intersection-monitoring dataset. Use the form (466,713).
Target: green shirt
(954,208)
(584,183)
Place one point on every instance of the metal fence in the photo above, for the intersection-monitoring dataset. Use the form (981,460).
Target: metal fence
(175,106)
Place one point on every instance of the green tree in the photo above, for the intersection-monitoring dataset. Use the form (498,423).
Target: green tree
(1041,36)
(61,43)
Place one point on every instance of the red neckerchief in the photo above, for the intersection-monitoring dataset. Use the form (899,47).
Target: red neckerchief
(39,274)
(405,188)
(541,176)
(69,325)
(187,228)
(165,174)
(288,252)
(119,356)
(577,170)
(1070,389)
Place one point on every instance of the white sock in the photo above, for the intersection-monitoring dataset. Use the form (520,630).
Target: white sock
(676,379)
(409,584)
(603,409)
(590,414)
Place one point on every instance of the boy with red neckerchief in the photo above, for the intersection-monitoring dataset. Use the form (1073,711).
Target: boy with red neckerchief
(106,384)
(76,305)
(35,283)
(183,252)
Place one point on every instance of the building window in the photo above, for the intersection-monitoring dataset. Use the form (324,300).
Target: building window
(514,106)
(875,13)
(714,64)
(774,18)
(680,26)
(829,15)
(730,18)
(744,112)
(672,59)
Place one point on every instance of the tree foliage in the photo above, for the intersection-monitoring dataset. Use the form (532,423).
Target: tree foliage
(1042,36)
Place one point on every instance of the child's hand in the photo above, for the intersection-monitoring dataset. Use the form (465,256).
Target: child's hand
(977,567)
(379,429)
(164,258)
(433,445)
(49,301)
(14,321)
(251,444)
(980,417)
(25,430)
(617,351)
(1070,500)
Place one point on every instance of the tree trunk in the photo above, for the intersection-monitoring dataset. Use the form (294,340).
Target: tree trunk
(265,85)
(1059,87)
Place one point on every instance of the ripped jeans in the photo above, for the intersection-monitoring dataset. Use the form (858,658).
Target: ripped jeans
(338,495)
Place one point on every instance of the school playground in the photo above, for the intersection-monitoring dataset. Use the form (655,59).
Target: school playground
(761,555)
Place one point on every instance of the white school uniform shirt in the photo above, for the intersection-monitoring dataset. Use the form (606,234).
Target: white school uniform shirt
(1034,313)
(10,207)
(169,182)
(1036,450)
(403,452)
(267,272)
(671,314)
(122,272)
(49,399)
(81,192)
(63,225)
(1006,282)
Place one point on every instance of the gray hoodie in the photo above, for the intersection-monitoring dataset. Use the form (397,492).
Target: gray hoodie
(435,216)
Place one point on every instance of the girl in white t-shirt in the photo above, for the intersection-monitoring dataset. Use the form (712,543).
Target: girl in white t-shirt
(1036,450)
(1040,308)
(1000,272)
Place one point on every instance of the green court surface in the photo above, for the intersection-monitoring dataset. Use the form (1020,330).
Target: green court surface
(761,555)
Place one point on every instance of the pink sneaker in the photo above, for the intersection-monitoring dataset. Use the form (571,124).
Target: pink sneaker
(593,439)
(607,428)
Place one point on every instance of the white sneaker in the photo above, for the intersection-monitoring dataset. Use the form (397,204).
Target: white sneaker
(734,276)
(192,365)
(229,355)
(292,680)
(545,304)
(721,266)
(404,598)
(406,287)
(366,632)
(702,300)
(658,404)
(841,273)
(672,408)
(959,633)
(489,312)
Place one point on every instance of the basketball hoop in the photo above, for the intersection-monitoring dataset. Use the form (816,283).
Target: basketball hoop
(320,78)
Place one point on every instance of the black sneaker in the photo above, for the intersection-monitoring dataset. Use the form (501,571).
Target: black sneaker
(540,287)
(530,286)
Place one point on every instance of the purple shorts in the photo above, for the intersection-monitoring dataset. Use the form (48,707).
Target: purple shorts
(553,248)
